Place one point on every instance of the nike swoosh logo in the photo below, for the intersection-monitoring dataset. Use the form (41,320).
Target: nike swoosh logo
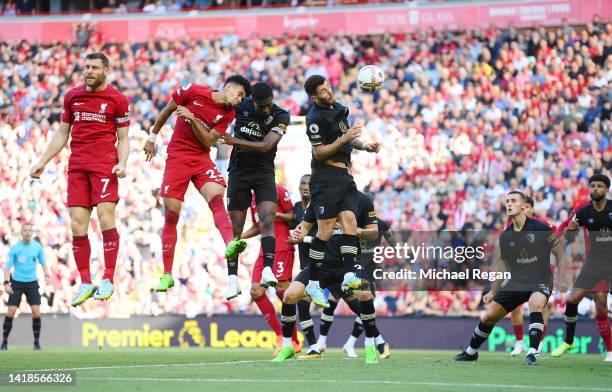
(197,104)
(104,195)
(78,103)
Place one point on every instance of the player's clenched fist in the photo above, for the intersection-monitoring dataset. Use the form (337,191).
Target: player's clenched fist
(37,170)
(371,147)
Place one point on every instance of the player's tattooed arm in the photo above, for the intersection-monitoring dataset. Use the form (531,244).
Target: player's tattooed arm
(123,150)
(55,146)
(369,147)
(165,113)
(262,147)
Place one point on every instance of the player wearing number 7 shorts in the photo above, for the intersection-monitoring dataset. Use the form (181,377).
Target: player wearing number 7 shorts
(98,116)
(203,117)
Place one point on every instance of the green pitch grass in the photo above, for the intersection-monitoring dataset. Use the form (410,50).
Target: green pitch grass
(228,370)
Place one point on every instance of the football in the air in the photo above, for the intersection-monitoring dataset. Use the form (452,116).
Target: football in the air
(370,78)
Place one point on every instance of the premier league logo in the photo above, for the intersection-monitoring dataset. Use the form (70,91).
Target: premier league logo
(531,238)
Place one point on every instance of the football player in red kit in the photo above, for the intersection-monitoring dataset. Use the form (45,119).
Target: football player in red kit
(97,116)
(203,117)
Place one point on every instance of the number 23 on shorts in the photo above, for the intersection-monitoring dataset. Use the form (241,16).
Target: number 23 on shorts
(214,175)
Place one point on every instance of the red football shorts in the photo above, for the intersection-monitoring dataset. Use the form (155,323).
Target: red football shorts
(282,267)
(179,171)
(88,188)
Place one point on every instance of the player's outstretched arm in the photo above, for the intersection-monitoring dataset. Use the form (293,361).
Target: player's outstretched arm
(262,147)
(166,112)
(369,147)
(123,150)
(55,146)
(325,151)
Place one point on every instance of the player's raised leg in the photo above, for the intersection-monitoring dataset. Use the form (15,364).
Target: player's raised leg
(110,238)
(172,212)
(81,249)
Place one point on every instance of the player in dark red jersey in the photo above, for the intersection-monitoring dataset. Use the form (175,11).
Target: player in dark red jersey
(97,116)
(596,275)
(517,314)
(203,117)
(283,262)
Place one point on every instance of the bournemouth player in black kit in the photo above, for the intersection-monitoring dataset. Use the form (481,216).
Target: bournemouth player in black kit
(525,247)
(333,191)
(367,242)
(596,274)
(306,323)
(331,272)
(259,126)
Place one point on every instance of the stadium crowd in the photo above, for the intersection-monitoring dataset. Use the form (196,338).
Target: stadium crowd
(464,116)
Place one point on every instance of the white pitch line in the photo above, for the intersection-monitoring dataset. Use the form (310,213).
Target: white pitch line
(150,365)
(356,382)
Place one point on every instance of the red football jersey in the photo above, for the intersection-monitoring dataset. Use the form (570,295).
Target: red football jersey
(95,117)
(281,228)
(198,99)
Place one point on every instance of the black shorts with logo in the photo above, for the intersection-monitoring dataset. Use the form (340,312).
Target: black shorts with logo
(30,289)
(332,190)
(240,184)
(514,295)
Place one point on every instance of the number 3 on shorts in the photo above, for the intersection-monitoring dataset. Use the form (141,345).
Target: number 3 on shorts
(281,267)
